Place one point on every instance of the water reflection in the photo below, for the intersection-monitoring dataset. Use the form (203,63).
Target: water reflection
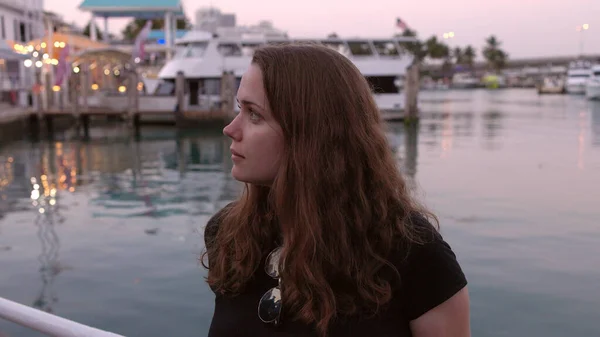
(403,141)
(594,111)
(164,178)
(443,129)
(155,177)
(492,128)
(133,259)
(48,215)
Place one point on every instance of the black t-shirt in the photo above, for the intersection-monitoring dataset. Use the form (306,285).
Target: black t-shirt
(430,275)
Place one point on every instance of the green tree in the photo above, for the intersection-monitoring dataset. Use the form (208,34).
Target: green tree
(458,55)
(495,57)
(87,32)
(469,55)
(420,50)
(135,26)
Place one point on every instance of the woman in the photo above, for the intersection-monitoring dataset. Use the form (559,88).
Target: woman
(325,240)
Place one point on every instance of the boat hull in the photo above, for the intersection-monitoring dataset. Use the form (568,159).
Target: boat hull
(592,90)
(576,88)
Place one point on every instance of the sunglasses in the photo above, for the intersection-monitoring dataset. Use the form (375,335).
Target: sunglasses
(269,306)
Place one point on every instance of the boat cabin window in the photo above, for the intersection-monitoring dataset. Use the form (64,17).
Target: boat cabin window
(579,75)
(386,48)
(229,49)
(338,46)
(360,48)
(212,86)
(249,48)
(166,88)
(384,84)
(192,49)
(307,41)
(276,42)
(597,73)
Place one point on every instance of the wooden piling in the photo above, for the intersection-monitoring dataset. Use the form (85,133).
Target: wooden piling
(34,123)
(73,98)
(49,121)
(180,98)
(48,90)
(132,97)
(34,127)
(227,95)
(85,122)
(84,85)
(411,92)
(84,89)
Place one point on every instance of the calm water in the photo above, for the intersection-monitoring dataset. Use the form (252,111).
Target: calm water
(111,235)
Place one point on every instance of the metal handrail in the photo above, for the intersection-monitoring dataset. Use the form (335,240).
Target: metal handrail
(46,323)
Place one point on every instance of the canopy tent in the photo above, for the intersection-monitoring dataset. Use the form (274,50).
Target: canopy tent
(169,10)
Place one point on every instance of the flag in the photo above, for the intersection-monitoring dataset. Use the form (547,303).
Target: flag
(140,41)
(63,68)
(401,24)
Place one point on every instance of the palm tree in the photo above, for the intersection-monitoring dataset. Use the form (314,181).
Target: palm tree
(458,55)
(495,56)
(436,49)
(469,55)
(420,50)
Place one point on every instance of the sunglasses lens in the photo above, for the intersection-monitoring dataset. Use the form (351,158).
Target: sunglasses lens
(269,307)
(272,263)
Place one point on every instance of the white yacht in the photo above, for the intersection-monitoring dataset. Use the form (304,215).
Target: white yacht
(577,76)
(203,57)
(465,81)
(551,84)
(592,87)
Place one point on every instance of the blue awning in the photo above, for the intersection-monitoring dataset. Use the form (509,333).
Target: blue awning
(142,9)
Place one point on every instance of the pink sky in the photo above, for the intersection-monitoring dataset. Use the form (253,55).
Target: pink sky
(527,28)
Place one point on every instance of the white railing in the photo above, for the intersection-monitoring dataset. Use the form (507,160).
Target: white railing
(47,323)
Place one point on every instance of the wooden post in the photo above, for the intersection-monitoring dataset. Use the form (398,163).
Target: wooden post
(411,92)
(61,97)
(180,97)
(132,97)
(84,85)
(136,105)
(49,126)
(34,127)
(85,121)
(227,95)
(74,83)
(411,145)
(35,123)
(48,90)
(180,143)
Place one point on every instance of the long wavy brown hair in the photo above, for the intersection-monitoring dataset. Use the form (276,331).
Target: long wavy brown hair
(338,204)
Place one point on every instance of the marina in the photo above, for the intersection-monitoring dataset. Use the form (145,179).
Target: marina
(113,158)
(512,176)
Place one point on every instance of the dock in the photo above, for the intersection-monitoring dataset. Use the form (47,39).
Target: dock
(78,105)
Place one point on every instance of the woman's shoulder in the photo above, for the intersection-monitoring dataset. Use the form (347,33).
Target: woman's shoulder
(212,225)
(429,269)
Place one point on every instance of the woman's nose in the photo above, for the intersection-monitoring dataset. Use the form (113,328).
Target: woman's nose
(232,130)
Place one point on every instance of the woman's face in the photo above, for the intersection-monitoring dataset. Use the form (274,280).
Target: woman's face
(257,139)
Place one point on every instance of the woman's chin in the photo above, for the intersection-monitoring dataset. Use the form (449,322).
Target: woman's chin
(239,175)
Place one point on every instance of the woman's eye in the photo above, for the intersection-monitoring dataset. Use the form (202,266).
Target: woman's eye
(253,115)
